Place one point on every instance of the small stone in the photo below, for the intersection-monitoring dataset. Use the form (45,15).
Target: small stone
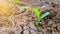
(54,32)
(58,27)
(25,27)
(32,26)
(26,32)
(30,18)
(50,23)
(34,32)
(49,28)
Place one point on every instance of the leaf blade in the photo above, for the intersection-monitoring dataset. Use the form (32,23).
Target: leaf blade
(36,12)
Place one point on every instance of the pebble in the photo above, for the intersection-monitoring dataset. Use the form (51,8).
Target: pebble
(26,32)
(25,27)
(32,26)
(34,32)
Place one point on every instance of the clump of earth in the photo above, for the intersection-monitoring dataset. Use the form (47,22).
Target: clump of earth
(22,21)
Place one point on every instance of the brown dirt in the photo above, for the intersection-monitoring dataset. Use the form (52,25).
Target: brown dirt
(22,22)
(50,24)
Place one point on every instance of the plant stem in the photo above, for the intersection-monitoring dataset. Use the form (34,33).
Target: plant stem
(40,18)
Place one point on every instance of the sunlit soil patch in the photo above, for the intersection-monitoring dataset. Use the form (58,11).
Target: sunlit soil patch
(6,7)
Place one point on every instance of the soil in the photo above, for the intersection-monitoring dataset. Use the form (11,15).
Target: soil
(50,24)
(22,22)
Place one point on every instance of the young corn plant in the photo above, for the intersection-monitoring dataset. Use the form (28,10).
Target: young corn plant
(37,12)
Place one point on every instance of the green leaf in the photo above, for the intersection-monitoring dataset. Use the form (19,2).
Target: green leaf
(40,18)
(35,10)
(16,1)
(24,7)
